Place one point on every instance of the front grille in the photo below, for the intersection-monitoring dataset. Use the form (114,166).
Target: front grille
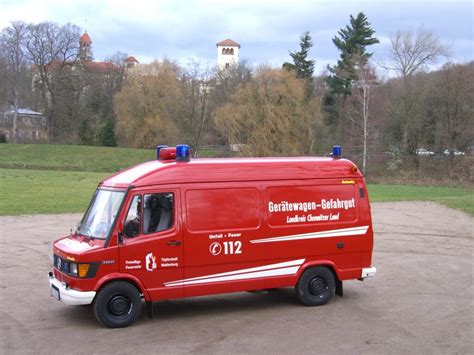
(59,276)
(60,264)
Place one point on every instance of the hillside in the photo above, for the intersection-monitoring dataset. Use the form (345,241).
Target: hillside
(71,157)
(46,178)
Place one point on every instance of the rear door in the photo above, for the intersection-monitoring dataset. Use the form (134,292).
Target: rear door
(316,220)
(152,247)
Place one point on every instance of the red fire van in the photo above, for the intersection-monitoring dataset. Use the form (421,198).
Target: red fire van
(177,227)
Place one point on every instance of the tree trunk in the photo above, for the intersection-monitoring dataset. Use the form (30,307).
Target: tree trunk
(15,116)
(365,110)
(201,128)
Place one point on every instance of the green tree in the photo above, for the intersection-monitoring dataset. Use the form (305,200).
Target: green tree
(302,66)
(106,136)
(352,42)
(86,133)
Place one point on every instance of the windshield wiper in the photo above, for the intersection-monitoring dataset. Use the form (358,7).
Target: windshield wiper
(84,230)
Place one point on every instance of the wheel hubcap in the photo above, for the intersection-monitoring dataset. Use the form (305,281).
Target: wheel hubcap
(119,305)
(317,286)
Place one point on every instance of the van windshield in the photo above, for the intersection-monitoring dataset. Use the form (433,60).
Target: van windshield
(101,214)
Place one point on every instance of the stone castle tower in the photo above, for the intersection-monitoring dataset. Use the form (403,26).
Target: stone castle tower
(85,47)
(85,56)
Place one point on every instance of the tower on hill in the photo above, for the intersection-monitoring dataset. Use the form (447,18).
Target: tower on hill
(131,62)
(227,53)
(85,47)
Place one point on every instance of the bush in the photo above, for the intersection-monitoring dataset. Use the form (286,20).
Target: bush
(106,136)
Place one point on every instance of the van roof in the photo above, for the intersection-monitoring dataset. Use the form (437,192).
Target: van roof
(231,169)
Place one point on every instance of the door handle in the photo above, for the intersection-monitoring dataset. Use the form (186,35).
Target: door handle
(174,243)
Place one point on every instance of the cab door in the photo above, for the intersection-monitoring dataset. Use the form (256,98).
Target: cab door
(151,241)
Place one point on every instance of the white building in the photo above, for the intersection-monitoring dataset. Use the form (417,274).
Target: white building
(227,53)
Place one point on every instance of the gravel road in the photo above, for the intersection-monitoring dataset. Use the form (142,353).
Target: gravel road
(421,300)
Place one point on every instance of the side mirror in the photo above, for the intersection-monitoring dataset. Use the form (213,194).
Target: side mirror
(131,229)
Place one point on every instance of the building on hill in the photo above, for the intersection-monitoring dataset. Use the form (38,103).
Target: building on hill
(84,63)
(227,53)
(85,58)
(131,62)
(30,126)
(100,67)
(74,81)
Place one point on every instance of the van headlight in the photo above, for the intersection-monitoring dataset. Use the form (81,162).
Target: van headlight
(79,270)
(73,269)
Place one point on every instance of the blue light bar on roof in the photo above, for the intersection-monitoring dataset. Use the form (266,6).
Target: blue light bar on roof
(182,152)
(336,151)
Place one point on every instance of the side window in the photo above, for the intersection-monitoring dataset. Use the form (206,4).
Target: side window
(133,220)
(158,212)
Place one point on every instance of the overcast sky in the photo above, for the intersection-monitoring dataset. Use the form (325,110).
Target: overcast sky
(266,30)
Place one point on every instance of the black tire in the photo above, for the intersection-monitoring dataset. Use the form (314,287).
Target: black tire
(117,305)
(316,286)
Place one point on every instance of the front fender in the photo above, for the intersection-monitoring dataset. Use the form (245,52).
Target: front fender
(123,276)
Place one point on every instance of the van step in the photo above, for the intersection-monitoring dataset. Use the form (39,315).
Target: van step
(259,292)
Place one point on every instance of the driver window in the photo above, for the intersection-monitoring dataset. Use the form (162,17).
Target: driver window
(133,220)
(158,212)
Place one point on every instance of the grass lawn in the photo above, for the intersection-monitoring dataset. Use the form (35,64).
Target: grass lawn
(71,157)
(39,191)
(454,197)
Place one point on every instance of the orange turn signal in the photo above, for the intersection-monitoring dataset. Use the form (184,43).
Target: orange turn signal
(83,269)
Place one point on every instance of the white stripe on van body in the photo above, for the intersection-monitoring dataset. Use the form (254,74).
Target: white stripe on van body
(279,269)
(326,234)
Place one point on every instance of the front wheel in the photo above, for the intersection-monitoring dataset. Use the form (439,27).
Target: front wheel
(117,304)
(316,286)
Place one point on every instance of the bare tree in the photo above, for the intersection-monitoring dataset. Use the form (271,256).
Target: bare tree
(12,43)
(230,79)
(411,52)
(4,87)
(148,105)
(452,102)
(363,92)
(118,58)
(53,50)
(197,83)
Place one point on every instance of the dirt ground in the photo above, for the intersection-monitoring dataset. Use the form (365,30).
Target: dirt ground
(421,300)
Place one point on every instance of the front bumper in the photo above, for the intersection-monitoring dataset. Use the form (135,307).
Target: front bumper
(70,296)
(368,272)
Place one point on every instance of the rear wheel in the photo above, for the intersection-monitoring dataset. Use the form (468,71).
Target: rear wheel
(316,286)
(117,304)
